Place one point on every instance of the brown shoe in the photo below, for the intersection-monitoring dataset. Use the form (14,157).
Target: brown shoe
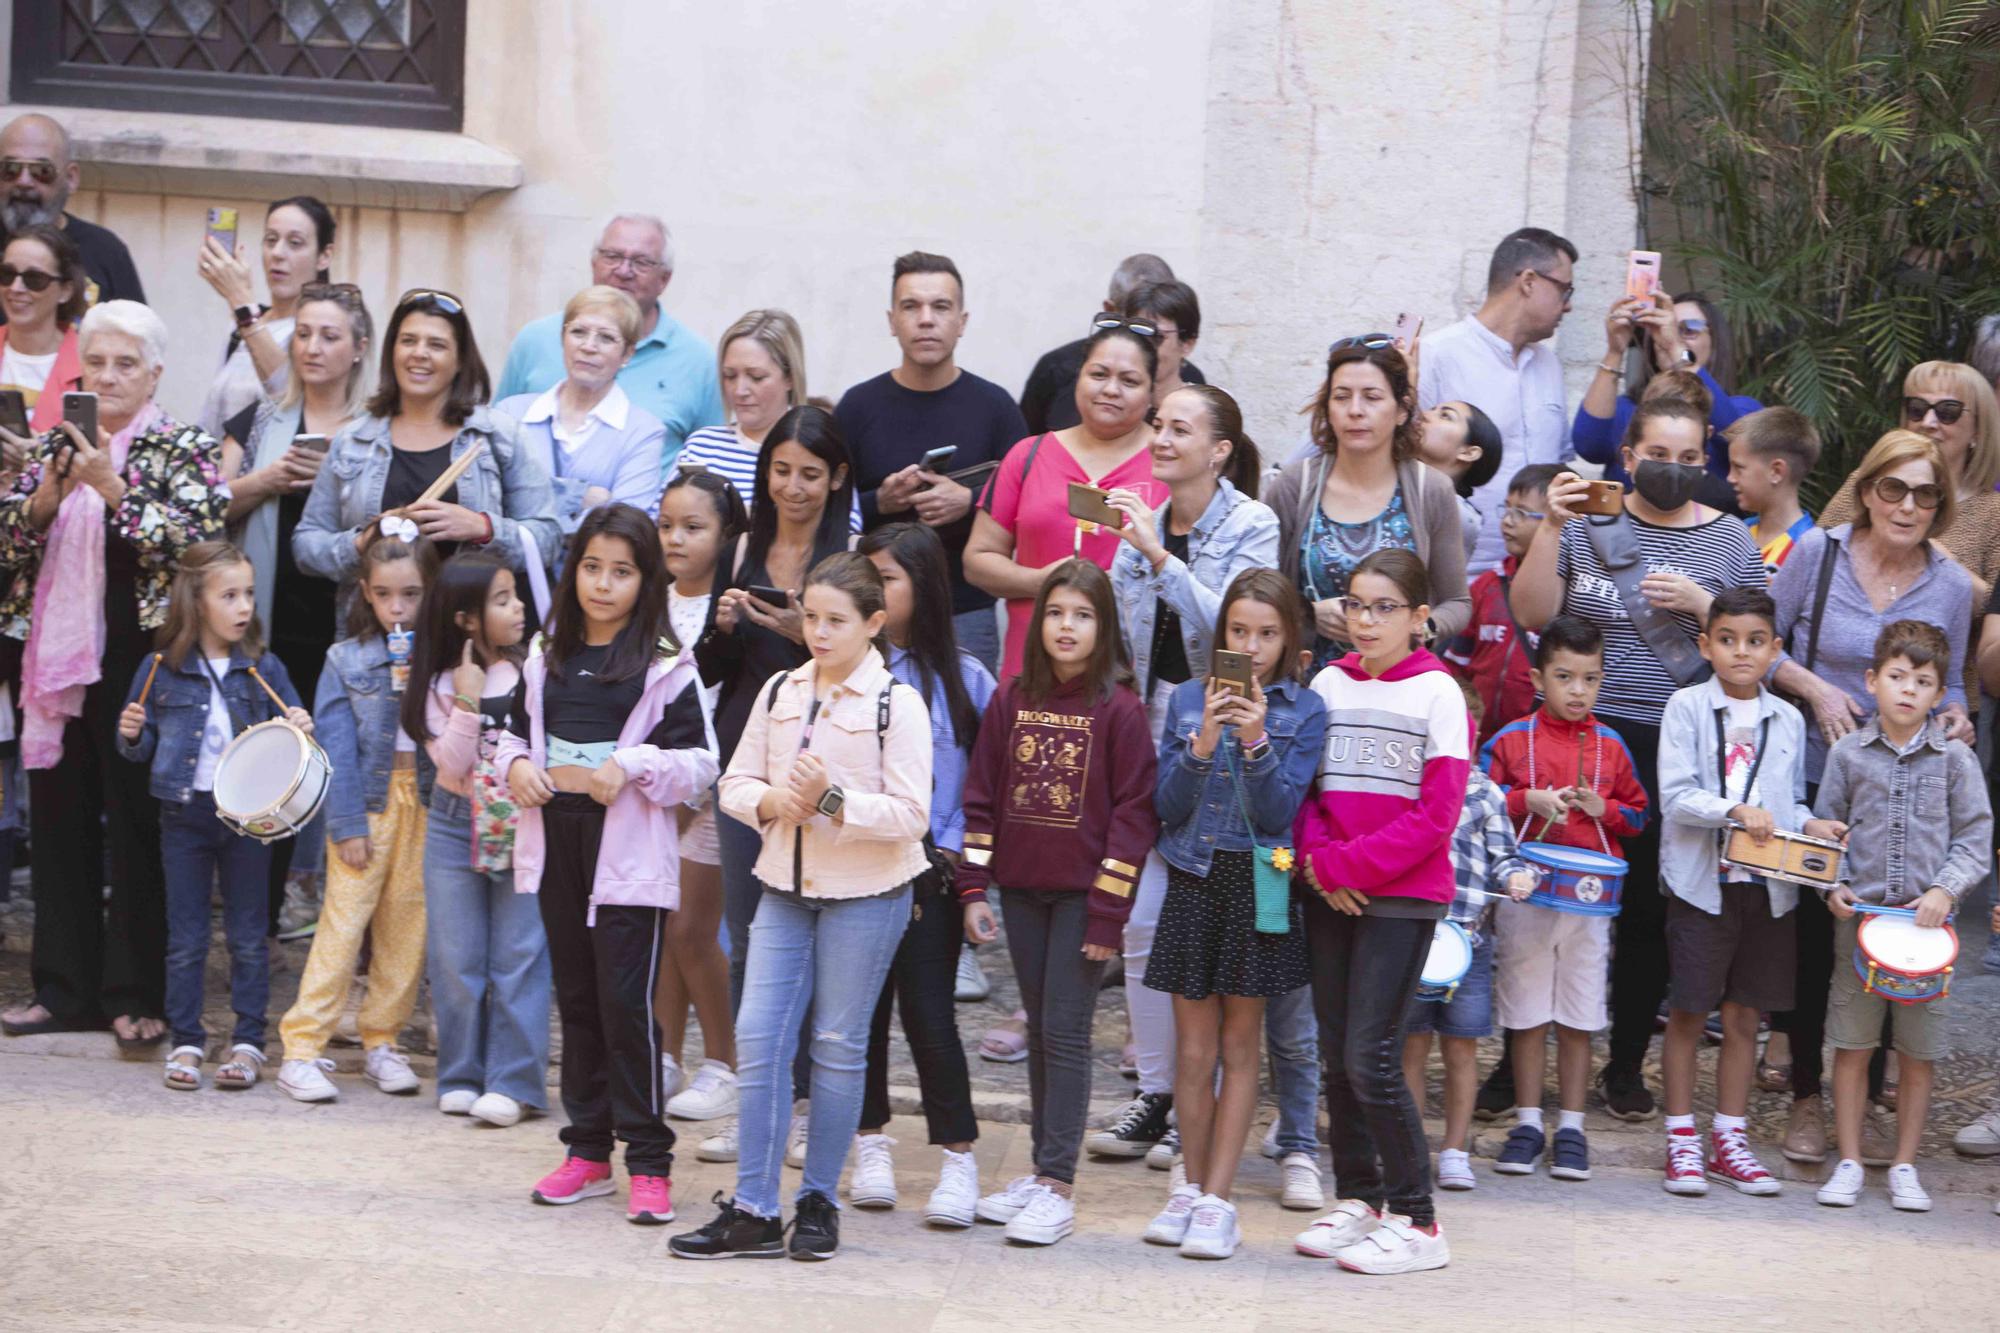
(1878,1145)
(1805,1131)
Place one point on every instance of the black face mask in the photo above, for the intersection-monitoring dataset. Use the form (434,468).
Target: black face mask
(1667,486)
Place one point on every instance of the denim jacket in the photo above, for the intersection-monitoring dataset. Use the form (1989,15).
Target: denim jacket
(1233,534)
(177,714)
(1920,816)
(355,720)
(1196,799)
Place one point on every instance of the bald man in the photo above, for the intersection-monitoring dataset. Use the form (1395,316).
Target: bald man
(37,177)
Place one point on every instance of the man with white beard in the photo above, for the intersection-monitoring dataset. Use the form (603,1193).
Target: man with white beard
(37,177)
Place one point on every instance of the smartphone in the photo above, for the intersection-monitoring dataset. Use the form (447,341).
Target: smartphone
(1642,275)
(13,412)
(689,465)
(1232,669)
(222,228)
(1409,328)
(771,597)
(312,444)
(1091,505)
(80,410)
(1606,499)
(936,458)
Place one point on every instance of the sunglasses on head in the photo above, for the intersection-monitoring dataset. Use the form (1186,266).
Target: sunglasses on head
(1894,490)
(443,303)
(36,280)
(43,170)
(1948,409)
(1138,326)
(1374,342)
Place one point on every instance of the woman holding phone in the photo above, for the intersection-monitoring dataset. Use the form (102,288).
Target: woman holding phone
(297,249)
(42,289)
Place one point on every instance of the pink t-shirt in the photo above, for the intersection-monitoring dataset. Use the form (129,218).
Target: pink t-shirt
(1036,511)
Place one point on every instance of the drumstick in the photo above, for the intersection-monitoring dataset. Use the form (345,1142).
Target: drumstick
(452,473)
(276,698)
(147,688)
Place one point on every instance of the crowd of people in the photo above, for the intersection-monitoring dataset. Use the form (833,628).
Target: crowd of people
(650,686)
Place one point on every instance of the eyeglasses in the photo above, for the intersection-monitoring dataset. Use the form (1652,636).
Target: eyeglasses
(1894,490)
(43,170)
(442,302)
(1374,342)
(640,264)
(1568,288)
(1690,327)
(1357,609)
(1138,326)
(36,280)
(1515,514)
(1948,410)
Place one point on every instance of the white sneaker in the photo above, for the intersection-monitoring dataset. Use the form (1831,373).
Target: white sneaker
(795,1140)
(497,1108)
(1981,1138)
(1303,1193)
(672,1079)
(1349,1221)
(1212,1231)
(719,1146)
(1162,1155)
(458,1101)
(971,983)
(1006,1203)
(873,1182)
(1047,1218)
(1906,1191)
(1455,1170)
(388,1070)
(1396,1247)
(955,1200)
(306,1080)
(711,1096)
(1843,1187)
(1270,1145)
(1169,1226)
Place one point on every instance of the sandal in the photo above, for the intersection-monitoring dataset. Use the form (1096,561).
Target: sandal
(1773,1078)
(183,1077)
(1006,1042)
(140,1040)
(34,1017)
(241,1070)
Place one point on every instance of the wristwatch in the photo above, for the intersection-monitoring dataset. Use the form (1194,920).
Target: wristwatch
(830,802)
(246,315)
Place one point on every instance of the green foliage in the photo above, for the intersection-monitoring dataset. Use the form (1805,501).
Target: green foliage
(1826,170)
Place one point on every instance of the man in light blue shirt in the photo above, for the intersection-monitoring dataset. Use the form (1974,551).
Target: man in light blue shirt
(672,373)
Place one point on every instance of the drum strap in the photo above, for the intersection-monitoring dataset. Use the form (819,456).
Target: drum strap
(237,726)
(1722,768)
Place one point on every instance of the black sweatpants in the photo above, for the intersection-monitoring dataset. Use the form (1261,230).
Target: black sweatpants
(924,976)
(1639,949)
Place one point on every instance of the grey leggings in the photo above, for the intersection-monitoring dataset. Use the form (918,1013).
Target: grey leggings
(1059,990)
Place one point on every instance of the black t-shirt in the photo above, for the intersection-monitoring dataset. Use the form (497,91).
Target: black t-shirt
(1049,400)
(1169,657)
(303,605)
(107,264)
(888,427)
(583,709)
(411,472)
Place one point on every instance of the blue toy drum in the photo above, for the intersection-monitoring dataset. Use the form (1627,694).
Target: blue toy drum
(1447,963)
(1572,879)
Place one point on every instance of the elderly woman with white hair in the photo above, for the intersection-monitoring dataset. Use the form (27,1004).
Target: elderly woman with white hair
(92,532)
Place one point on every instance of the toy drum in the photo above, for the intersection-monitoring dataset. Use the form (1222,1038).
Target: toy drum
(1572,879)
(1447,963)
(1900,960)
(271,781)
(1787,856)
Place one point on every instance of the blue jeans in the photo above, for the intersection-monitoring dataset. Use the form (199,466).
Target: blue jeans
(831,955)
(194,845)
(1292,1032)
(487,958)
(978,633)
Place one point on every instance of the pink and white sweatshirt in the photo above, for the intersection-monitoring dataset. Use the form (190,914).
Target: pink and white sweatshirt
(1391,780)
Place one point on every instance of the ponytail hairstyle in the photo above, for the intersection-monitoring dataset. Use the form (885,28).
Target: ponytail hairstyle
(854,574)
(638,644)
(1279,593)
(1108,667)
(933,638)
(361,622)
(323,226)
(1225,419)
(181,634)
(1402,568)
(461,588)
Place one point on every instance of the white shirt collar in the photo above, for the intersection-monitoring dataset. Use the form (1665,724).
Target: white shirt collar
(611,409)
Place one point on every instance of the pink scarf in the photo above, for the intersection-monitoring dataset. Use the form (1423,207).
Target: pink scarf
(65,652)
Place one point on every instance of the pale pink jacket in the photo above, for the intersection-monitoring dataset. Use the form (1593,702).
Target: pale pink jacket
(454,742)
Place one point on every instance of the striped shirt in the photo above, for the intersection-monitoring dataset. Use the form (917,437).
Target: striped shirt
(1717,554)
(729,455)
(1483,850)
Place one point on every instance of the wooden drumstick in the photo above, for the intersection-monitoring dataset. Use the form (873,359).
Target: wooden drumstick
(452,473)
(153,671)
(276,698)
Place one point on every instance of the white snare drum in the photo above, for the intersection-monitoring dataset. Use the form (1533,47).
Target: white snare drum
(271,781)
(1449,959)
(1902,961)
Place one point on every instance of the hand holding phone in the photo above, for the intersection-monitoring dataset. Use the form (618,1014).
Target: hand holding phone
(80,410)
(775,598)
(1606,499)
(1092,505)
(14,413)
(938,457)
(222,228)
(1408,329)
(1642,275)
(1234,671)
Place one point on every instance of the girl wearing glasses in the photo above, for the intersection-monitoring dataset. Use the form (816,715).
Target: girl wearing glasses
(297,249)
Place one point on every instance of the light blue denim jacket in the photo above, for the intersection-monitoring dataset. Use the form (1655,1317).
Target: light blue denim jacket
(947,757)
(1196,798)
(1233,534)
(355,720)
(177,715)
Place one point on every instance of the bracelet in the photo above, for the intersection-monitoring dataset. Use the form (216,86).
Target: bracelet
(482,541)
(468,703)
(1612,369)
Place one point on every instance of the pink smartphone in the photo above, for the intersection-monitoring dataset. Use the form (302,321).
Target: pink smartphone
(1642,275)
(1408,328)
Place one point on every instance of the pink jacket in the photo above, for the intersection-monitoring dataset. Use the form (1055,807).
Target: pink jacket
(454,742)
(639,860)
(1391,781)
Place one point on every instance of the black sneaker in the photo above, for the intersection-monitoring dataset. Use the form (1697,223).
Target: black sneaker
(1496,1094)
(1625,1094)
(815,1227)
(1136,1128)
(734,1234)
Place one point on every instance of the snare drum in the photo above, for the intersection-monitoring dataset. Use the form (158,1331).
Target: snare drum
(1902,961)
(1574,879)
(1447,963)
(271,781)
(1787,856)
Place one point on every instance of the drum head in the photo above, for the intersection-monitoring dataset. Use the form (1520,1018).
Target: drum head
(258,768)
(1451,954)
(1900,943)
(1582,861)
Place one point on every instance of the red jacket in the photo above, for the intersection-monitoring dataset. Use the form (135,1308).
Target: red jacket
(1561,751)
(1490,655)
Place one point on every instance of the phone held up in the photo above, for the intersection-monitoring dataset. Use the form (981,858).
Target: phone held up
(1233,671)
(1642,275)
(1606,499)
(222,228)
(1408,329)
(1092,505)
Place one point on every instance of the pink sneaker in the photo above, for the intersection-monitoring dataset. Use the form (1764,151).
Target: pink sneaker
(574,1180)
(1731,1162)
(652,1201)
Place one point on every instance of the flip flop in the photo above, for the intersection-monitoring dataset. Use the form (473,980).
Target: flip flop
(133,1045)
(50,1024)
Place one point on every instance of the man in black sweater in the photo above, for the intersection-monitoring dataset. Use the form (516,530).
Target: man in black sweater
(38,175)
(1049,400)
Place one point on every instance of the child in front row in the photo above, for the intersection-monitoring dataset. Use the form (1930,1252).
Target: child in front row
(1921,830)
(1732,754)
(1569,781)
(203,698)
(1059,815)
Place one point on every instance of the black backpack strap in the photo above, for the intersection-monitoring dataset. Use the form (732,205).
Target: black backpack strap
(1826,563)
(777,683)
(882,717)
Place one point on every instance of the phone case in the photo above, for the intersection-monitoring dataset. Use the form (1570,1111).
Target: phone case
(1642,275)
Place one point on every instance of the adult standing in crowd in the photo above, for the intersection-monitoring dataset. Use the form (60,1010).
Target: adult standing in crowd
(42,291)
(1363,490)
(1983,352)
(1048,403)
(671,372)
(1500,359)
(92,531)
(1686,333)
(1835,594)
(297,250)
(428,408)
(928,402)
(1024,528)
(39,175)
(1682,555)
(1172,311)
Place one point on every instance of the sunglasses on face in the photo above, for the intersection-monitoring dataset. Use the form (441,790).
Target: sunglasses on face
(1138,326)
(1690,327)
(1948,410)
(1355,608)
(1894,490)
(36,280)
(43,170)
(443,303)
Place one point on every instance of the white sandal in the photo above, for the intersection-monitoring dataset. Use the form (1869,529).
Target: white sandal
(241,1070)
(184,1078)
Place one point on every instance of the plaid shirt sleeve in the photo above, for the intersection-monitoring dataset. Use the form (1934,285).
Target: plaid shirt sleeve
(1483,852)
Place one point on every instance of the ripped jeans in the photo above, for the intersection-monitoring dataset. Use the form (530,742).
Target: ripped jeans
(829,955)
